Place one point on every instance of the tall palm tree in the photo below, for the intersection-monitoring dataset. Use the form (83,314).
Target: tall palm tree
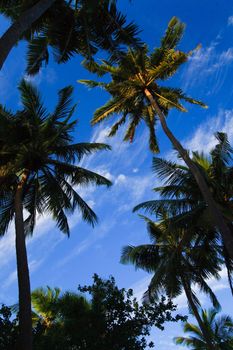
(39,174)
(68,27)
(176,266)
(182,200)
(220,331)
(136,94)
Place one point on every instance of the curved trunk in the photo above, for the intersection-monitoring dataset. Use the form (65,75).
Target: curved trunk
(13,34)
(215,212)
(25,318)
(192,304)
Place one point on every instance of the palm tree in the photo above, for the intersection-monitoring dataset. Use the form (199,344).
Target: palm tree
(68,27)
(39,174)
(50,306)
(220,331)
(137,95)
(177,266)
(182,200)
(44,304)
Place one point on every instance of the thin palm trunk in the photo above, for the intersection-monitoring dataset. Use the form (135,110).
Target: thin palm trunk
(25,319)
(188,294)
(215,212)
(14,33)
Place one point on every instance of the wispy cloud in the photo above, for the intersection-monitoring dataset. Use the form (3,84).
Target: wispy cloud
(85,244)
(47,75)
(140,287)
(203,138)
(12,278)
(208,64)
(230,21)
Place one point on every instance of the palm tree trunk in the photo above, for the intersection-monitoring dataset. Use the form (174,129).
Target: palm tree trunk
(216,213)
(192,304)
(17,29)
(25,318)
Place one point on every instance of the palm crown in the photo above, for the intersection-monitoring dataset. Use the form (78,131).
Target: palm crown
(180,195)
(173,264)
(72,27)
(39,145)
(137,72)
(220,330)
(177,264)
(181,198)
(50,306)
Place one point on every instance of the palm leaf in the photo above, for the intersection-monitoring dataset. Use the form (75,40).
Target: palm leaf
(37,54)
(31,100)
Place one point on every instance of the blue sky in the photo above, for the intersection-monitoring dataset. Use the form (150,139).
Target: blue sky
(57,261)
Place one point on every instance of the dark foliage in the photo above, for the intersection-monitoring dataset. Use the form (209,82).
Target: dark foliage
(8,329)
(111,319)
(72,27)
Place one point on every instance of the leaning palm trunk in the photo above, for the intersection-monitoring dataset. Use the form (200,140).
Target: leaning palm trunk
(17,29)
(25,320)
(188,294)
(216,214)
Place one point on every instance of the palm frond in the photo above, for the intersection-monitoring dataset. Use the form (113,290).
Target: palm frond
(31,100)
(78,175)
(169,171)
(77,151)
(91,83)
(64,105)
(111,107)
(6,211)
(37,54)
(173,34)
(115,127)
(143,256)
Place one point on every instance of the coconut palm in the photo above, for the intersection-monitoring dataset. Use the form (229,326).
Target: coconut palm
(50,306)
(182,200)
(44,303)
(177,265)
(137,96)
(68,27)
(220,331)
(39,174)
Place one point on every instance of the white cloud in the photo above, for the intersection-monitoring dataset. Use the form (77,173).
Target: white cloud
(226,56)
(47,75)
(221,60)
(208,63)
(100,135)
(12,278)
(230,21)
(203,138)
(120,179)
(35,243)
(7,247)
(99,233)
(140,287)
(106,173)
